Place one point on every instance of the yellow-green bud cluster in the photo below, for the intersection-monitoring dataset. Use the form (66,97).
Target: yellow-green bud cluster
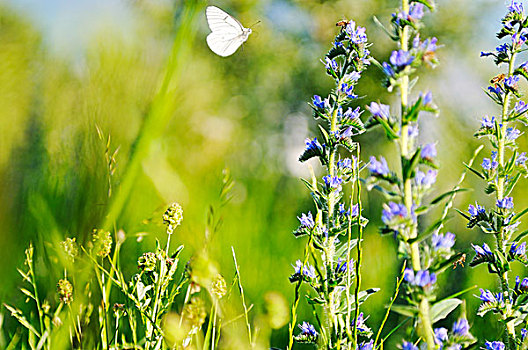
(65,290)
(173,217)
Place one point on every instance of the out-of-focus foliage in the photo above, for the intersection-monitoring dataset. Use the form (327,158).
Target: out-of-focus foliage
(247,112)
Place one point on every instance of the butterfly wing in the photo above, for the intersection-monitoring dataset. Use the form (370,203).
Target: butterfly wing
(224,45)
(220,21)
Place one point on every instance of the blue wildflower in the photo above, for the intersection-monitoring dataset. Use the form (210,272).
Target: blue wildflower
(333,182)
(348,90)
(495,345)
(440,335)
(408,346)
(379,110)
(485,54)
(489,164)
(428,151)
(515,6)
(355,210)
(345,163)
(308,329)
(392,210)
(476,209)
(425,180)
(357,34)
(354,76)
(387,69)
(511,82)
(461,327)
(518,249)
(505,203)
(441,241)
(487,123)
(520,107)
(378,167)
(521,159)
(502,48)
(347,132)
(413,131)
(495,89)
(307,220)
(416,11)
(429,45)
(487,296)
(366,346)
(421,278)
(401,58)
(524,332)
(524,66)
(313,145)
(318,102)
(307,271)
(482,251)
(427,98)
(512,134)
(360,324)
(331,64)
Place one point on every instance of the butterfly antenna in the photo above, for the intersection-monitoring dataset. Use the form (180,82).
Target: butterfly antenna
(257,22)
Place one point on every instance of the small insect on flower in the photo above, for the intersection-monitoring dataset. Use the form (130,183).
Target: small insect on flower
(460,261)
(498,79)
(342,23)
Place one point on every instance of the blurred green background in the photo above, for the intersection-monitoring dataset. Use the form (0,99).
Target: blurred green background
(67,66)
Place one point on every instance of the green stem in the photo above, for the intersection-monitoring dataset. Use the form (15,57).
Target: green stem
(501,239)
(359,250)
(424,314)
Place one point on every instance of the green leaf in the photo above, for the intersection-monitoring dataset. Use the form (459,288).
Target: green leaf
(405,310)
(428,231)
(409,166)
(519,215)
(412,114)
(463,214)
(447,194)
(391,134)
(441,309)
(521,235)
(379,24)
(476,172)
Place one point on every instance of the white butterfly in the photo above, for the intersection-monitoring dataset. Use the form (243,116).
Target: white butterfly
(227,33)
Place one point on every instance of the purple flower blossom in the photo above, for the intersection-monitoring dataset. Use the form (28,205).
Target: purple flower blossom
(416,11)
(345,163)
(378,167)
(482,251)
(427,98)
(361,326)
(421,278)
(515,6)
(307,271)
(366,346)
(489,164)
(387,69)
(392,210)
(440,335)
(488,123)
(333,182)
(401,58)
(331,64)
(521,159)
(408,346)
(511,82)
(425,180)
(495,345)
(441,241)
(518,249)
(502,48)
(461,327)
(429,45)
(306,220)
(308,329)
(347,132)
(347,89)
(318,102)
(428,151)
(505,203)
(355,210)
(485,54)
(495,89)
(487,296)
(357,34)
(512,134)
(313,145)
(413,131)
(520,107)
(351,114)
(524,332)
(476,209)
(379,110)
